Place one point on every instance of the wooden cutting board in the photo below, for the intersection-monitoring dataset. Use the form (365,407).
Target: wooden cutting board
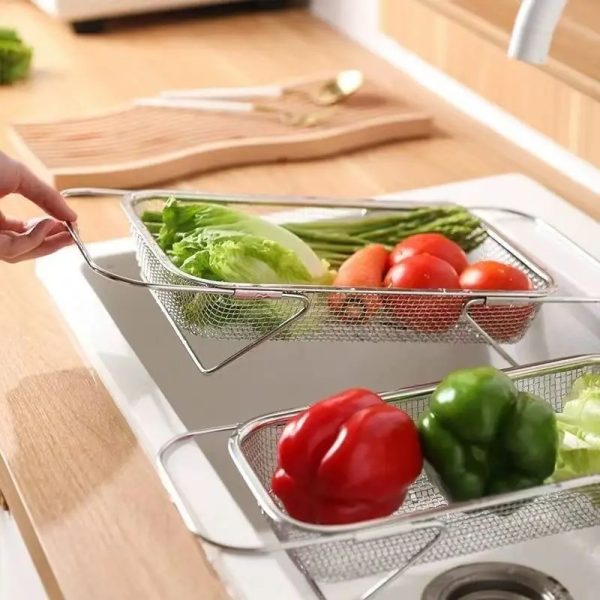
(136,146)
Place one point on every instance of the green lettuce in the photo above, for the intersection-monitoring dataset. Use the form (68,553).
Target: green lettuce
(223,244)
(579,430)
(218,243)
(232,256)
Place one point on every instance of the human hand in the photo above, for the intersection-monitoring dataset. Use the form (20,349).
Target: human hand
(24,240)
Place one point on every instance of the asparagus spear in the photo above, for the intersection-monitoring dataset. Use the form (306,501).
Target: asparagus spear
(335,240)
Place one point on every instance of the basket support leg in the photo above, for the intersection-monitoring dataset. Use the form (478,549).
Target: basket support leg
(484,334)
(206,370)
(393,575)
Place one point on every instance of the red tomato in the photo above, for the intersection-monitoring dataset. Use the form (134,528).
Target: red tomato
(422,272)
(424,313)
(492,275)
(431,243)
(505,323)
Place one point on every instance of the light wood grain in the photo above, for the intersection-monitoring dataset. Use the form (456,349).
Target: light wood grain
(102,487)
(468,40)
(575,51)
(134,147)
(90,507)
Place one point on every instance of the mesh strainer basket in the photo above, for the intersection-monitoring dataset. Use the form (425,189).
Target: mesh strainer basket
(392,315)
(252,314)
(427,527)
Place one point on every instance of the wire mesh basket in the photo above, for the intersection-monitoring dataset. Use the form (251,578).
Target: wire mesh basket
(334,314)
(427,527)
(252,313)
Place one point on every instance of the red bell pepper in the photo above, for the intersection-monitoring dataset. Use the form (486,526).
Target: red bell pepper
(348,458)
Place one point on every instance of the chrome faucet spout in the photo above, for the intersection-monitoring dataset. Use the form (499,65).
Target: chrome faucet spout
(534,29)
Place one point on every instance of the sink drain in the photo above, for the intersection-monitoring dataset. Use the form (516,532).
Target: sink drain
(494,581)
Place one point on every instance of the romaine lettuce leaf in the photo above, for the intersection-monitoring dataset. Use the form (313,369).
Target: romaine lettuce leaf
(579,430)
(269,253)
(238,257)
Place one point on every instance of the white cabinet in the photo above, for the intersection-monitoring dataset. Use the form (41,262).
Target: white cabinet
(19,579)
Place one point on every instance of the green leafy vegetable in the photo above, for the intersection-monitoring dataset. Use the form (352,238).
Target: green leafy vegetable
(238,257)
(218,243)
(223,244)
(9,35)
(15,57)
(579,430)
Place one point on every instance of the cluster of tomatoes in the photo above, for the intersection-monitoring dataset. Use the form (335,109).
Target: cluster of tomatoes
(432,261)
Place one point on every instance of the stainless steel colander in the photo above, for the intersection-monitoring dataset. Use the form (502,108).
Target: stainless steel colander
(427,527)
(254,313)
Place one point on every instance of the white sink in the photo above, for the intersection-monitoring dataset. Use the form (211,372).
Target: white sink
(139,358)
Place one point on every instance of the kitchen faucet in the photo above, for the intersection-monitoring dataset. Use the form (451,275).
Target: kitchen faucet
(534,28)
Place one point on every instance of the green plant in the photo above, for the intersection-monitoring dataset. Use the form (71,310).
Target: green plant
(15,57)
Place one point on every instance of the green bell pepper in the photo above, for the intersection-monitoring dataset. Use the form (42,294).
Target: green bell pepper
(483,437)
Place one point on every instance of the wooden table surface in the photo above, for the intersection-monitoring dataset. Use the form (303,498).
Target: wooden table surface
(90,506)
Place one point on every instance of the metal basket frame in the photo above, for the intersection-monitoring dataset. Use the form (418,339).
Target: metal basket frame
(133,199)
(306,537)
(300,295)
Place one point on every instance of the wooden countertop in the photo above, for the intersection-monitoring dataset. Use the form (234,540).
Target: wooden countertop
(91,508)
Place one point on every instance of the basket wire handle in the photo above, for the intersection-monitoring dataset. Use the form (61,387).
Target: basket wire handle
(94,266)
(366,534)
(483,333)
(541,300)
(302,310)
(485,302)
(565,238)
(516,300)
(245,294)
(538,221)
